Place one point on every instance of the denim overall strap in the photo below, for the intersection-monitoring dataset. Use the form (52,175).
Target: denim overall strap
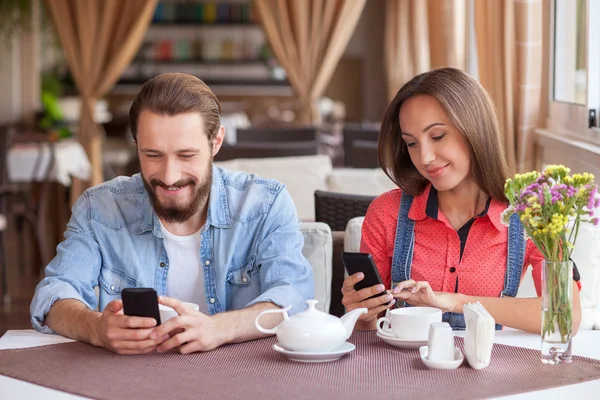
(514,268)
(515,257)
(405,240)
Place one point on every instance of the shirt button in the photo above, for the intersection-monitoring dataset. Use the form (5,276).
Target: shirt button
(162,264)
(112,288)
(212,300)
(452,269)
(244,280)
(207,262)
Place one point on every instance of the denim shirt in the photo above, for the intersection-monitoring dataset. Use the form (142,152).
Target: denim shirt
(251,249)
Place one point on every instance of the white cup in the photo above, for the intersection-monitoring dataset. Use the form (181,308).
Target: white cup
(441,342)
(410,323)
(166,312)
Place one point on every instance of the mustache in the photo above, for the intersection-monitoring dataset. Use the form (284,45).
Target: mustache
(178,185)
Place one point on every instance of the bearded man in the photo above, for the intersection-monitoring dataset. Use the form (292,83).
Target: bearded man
(227,241)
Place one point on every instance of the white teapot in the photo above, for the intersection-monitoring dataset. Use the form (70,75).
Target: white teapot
(311,329)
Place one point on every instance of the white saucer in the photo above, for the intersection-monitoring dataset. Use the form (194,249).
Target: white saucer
(315,356)
(458,359)
(401,343)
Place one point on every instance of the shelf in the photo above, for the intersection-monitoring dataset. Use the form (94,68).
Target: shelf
(200,62)
(199,24)
(217,82)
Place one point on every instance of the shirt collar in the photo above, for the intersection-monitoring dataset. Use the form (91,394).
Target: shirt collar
(426,205)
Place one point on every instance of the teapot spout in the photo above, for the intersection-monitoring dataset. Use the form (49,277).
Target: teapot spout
(349,319)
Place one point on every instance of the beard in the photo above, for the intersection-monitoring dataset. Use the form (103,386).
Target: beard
(170,211)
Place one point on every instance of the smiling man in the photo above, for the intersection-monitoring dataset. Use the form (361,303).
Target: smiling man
(227,241)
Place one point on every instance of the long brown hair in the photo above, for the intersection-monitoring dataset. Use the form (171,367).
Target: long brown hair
(176,93)
(469,108)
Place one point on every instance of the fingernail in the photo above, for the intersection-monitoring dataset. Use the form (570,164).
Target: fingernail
(388,297)
(413,290)
(380,288)
(392,302)
(360,275)
(396,289)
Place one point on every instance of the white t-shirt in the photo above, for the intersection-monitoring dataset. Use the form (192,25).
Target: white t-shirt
(185,280)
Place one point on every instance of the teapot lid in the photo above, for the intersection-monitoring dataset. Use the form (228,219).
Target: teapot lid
(311,311)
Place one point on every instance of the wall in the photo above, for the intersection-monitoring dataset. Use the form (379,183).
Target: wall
(580,156)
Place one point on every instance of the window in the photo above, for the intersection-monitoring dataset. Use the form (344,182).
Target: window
(575,68)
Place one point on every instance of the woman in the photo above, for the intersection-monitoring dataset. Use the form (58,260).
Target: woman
(439,238)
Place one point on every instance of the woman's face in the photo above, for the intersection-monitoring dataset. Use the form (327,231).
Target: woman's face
(437,149)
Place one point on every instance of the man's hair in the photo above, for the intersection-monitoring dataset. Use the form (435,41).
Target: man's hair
(175,93)
(471,111)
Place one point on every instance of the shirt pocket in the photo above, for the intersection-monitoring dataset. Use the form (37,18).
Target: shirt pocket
(113,281)
(243,284)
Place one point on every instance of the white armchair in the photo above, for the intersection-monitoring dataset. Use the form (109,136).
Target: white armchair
(318,250)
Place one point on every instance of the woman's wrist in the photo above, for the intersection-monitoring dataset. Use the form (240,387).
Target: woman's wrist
(461,300)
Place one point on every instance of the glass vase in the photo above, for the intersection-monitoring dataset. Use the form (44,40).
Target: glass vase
(557,308)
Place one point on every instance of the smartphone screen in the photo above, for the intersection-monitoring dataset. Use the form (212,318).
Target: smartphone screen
(141,302)
(362,262)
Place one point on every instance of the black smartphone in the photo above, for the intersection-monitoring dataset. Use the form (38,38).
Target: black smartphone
(362,262)
(141,302)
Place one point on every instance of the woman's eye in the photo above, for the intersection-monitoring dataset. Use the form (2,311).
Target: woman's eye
(152,155)
(411,144)
(440,137)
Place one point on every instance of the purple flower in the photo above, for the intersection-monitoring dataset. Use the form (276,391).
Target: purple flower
(595,221)
(571,191)
(592,199)
(521,207)
(556,195)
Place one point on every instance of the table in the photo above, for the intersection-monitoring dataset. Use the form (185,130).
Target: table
(585,344)
(59,165)
(70,161)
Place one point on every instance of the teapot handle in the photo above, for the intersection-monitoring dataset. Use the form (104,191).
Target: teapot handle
(271,311)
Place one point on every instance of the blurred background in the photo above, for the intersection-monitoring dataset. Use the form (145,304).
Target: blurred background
(303,85)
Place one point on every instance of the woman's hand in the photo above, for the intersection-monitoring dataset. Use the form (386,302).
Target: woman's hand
(357,299)
(421,294)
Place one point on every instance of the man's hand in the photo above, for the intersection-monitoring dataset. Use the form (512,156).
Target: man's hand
(191,331)
(124,334)
(421,294)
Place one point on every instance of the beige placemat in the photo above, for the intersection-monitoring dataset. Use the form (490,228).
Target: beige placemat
(254,370)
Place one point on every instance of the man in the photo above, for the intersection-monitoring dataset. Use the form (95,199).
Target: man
(228,241)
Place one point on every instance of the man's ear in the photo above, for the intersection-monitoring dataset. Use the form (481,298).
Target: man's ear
(218,140)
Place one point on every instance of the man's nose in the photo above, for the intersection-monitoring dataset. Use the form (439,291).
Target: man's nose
(171,173)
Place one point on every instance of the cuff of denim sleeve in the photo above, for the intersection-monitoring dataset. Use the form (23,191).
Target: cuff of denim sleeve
(41,305)
(282,296)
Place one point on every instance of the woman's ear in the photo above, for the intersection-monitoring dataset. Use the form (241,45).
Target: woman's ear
(218,140)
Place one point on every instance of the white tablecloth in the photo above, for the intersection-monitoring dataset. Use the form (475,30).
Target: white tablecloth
(70,161)
(586,344)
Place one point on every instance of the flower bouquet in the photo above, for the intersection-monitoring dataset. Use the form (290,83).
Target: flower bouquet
(551,205)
